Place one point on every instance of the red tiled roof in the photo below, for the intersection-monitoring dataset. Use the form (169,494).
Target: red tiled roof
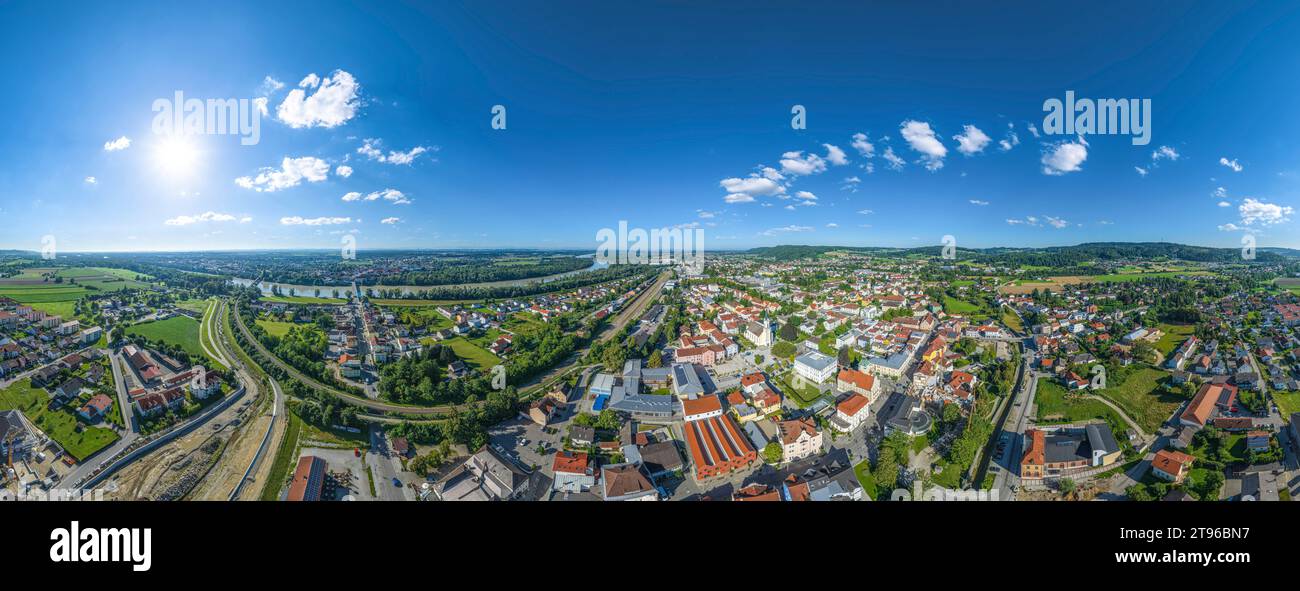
(570,462)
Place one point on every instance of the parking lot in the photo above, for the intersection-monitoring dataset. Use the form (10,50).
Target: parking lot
(345,475)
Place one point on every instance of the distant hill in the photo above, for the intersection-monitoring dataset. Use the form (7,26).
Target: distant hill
(1054,256)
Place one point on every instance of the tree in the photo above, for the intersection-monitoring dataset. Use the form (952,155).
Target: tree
(843,358)
(656,360)
(773,453)
(1067,486)
(886,471)
(789,332)
(783,349)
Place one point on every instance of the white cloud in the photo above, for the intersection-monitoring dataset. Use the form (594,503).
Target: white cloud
(972,140)
(895,162)
(351,196)
(1224,204)
(269,86)
(865,211)
(334,102)
(707,214)
(120,143)
(772,174)
(790,207)
(1220,192)
(1165,153)
(1230,228)
(321,221)
(1266,214)
(832,225)
(923,140)
(390,220)
(796,163)
(863,145)
(343,170)
(1055,222)
(90,180)
(978,202)
(291,173)
(1231,164)
(806,195)
(1032,130)
(1011,140)
(835,155)
(209,216)
(752,185)
(391,195)
(370,148)
(1065,157)
(786,230)
(1141,171)
(246,219)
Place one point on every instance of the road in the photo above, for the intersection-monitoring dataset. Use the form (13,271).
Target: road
(386,468)
(1017,417)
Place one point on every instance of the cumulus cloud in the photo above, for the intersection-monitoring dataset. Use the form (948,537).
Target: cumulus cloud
(352,196)
(922,139)
(835,155)
(334,102)
(343,170)
(971,140)
(269,86)
(1220,192)
(1236,167)
(1011,140)
(808,195)
(291,173)
(370,148)
(1165,153)
(208,216)
(1230,228)
(894,160)
(391,195)
(390,220)
(978,202)
(321,221)
(863,145)
(1265,214)
(1064,157)
(90,180)
(1224,204)
(740,198)
(120,143)
(1056,222)
(798,164)
(761,186)
(1141,171)
(832,225)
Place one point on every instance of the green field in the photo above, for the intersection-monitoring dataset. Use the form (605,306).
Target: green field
(1012,320)
(1174,336)
(181,331)
(1287,402)
(401,302)
(953,305)
(275,328)
(195,305)
(61,425)
(472,354)
(281,465)
(1053,406)
(1142,400)
(803,397)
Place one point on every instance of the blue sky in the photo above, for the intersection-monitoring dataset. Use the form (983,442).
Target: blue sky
(643,113)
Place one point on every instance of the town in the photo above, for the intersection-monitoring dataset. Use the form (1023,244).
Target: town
(775,374)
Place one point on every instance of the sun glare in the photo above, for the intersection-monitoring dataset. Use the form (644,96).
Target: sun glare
(176,156)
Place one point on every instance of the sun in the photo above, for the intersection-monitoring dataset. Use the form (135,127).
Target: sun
(176,156)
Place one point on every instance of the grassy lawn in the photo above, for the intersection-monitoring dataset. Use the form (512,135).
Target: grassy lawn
(195,305)
(181,331)
(953,305)
(61,425)
(1287,402)
(803,397)
(284,458)
(1174,335)
(401,302)
(275,328)
(1012,320)
(1195,484)
(1053,406)
(1142,400)
(868,482)
(472,354)
(522,323)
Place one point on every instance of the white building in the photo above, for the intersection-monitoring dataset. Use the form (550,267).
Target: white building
(814,366)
